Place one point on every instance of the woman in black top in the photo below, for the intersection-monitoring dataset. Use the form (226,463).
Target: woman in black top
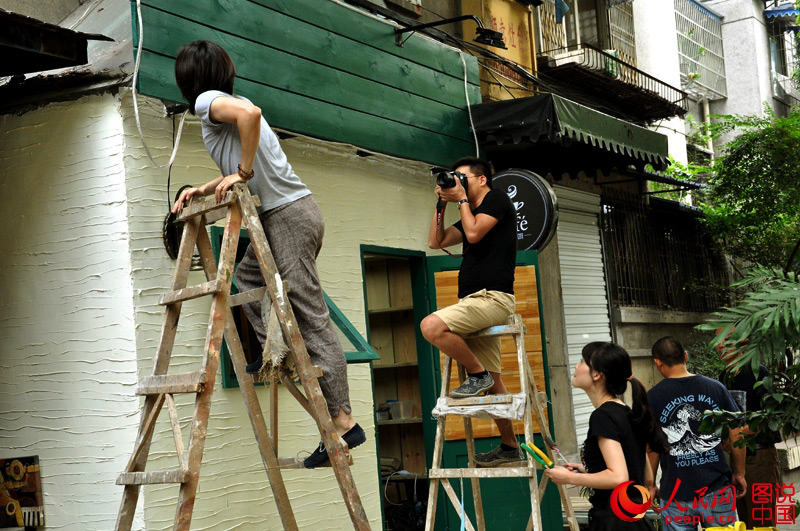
(615,450)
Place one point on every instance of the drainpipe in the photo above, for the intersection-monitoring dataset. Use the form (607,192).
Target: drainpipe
(577,25)
(707,120)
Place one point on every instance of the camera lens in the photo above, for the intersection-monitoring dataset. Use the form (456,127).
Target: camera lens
(446,179)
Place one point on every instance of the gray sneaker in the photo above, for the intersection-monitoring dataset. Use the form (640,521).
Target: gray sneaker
(473,386)
(498,456)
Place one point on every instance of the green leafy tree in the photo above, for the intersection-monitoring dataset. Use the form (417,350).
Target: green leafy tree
(751,206)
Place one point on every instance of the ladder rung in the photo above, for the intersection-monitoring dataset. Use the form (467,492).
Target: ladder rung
(252,295)
(201,205)
(481,400)
(216,215)
(296,462)
(153,478)
(192,292)
(499,330)
(191,382)
(497,472)
(316,370)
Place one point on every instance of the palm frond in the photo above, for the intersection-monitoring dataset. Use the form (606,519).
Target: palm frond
(765,322)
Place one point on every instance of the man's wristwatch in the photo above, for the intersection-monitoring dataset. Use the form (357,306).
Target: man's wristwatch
(462,202)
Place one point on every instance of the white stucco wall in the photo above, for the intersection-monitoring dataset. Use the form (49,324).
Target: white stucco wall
(374,200)
(747,62)
(67,359)
(657,54)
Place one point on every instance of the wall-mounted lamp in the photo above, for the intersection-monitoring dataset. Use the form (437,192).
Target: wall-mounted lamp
(482,35)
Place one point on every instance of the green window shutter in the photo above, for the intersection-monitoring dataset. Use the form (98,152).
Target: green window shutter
(356,348)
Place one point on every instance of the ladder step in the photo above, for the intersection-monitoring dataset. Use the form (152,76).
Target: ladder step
(153,478)
(499,330)
(317,371)
(201,205)
(497,472)
(192,292)
(216,215)
(252,295)
(191,382)
(296,462)
(481,400)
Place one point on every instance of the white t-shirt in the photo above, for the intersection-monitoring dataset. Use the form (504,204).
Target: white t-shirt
(275,182)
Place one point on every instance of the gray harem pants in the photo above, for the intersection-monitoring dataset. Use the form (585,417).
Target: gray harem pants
(294,232)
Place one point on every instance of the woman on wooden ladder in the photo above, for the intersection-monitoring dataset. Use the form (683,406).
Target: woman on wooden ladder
(246,150)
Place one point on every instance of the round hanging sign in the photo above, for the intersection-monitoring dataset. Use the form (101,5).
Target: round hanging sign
(535,204)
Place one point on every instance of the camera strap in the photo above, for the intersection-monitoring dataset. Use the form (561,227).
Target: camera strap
(439,215)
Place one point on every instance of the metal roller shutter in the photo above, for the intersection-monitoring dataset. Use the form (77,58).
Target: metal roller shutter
(583,284)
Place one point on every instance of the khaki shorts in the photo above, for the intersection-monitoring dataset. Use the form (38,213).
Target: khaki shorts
(477,311)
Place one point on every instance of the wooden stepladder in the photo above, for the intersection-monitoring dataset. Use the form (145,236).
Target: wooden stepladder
(238,207)
(535,404)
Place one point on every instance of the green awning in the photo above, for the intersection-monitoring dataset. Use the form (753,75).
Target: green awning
(548,117)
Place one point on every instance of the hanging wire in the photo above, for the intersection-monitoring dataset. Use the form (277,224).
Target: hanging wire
(386,488)
(136,102)
(169,169)
(463,512)
(469,107)
(491,73)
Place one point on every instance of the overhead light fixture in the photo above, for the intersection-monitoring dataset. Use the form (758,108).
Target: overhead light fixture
(483,35)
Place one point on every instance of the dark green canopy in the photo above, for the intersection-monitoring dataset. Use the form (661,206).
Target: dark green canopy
(548,117)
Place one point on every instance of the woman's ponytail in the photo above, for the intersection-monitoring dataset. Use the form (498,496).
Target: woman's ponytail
(614,363)
(643,419)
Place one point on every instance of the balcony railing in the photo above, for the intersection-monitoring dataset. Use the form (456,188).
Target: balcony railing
(611,67)
(700,50)
(582,28)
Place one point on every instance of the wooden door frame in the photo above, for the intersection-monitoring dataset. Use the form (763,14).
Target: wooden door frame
(427,375)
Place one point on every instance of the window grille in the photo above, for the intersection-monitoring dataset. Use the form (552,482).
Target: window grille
(658,255)
(700,51)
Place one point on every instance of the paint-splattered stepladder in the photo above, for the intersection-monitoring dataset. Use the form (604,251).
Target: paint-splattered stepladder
(238,208)
(530,403)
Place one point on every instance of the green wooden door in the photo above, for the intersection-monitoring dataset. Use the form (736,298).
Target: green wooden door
(506,502)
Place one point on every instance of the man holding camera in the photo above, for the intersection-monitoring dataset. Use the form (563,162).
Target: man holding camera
(488,232)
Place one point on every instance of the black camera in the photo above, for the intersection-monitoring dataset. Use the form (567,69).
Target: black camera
(447,178)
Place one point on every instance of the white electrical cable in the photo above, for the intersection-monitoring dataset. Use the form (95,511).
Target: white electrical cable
(82,17)
(136,103)
(469,108)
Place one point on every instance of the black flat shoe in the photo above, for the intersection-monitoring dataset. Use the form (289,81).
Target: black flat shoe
(354,437)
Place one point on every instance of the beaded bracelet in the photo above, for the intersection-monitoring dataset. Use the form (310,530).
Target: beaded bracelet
(246,175)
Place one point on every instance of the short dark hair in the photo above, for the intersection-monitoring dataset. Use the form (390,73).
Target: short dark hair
(669,351)
(476,166)
(201,66)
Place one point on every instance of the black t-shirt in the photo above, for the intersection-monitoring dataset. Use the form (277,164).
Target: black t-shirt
(612,420)
(489,263)
(744,380)
(697,459)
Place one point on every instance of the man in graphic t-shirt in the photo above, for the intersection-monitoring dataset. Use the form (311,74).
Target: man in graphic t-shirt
(696,479)
(487,230)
